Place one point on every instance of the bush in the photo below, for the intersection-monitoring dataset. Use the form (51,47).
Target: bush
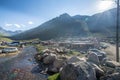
(54,77)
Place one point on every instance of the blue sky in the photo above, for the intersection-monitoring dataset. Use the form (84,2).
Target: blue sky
(27,14)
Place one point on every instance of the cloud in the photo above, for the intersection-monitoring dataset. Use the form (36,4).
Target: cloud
(17,25)
(8,25)
(30,22)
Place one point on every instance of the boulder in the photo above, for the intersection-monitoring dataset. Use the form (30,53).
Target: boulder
(92,57)
(58,63)
(98,70)
(74,59)
(117,69)
(78,71)
(44,55)
(52,70)
(112,64)
(49,59)
(114,76)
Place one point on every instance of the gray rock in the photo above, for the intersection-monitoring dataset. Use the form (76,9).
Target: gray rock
(92,57)
(112,64)
(117,69)
(58,63)
(98,70)
(38,57)
(73,59)
(78,71)
(114,76)
(49,59)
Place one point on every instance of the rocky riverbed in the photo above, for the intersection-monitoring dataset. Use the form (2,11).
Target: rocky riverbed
(21,67)
(95,66)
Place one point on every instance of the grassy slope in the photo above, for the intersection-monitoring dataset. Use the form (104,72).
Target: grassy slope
(3,38)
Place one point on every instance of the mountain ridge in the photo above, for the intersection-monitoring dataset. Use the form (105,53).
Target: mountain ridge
(71,26)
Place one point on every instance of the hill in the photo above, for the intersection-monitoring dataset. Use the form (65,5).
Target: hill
(62,26)
(102,24)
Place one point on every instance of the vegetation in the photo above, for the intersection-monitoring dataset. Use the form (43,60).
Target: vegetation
(73,52)
(5,39)
(2,47)
(39,48)
(54,77)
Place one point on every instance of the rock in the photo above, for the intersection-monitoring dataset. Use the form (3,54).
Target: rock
(38,57)
(117,69)
(52,70)
(92,57)
(46,51)
(112,64)
(44,55)
(58,63)
(49,59)
(114,76)
(78,71)
(98,70)
(74,59)
(101,55)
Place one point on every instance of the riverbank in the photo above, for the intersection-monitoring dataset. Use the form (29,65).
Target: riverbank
(21,66)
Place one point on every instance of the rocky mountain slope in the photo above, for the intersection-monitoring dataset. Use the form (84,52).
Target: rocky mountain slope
(102,24)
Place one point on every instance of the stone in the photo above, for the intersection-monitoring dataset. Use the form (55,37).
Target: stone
(98,70)
(78,71)
(114,76)
(38,57)
(49,59)
(112,64)
(92,57)
(58,63)
(117,69)
(74,59)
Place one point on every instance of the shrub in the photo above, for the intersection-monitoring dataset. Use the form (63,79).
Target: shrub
(54,77)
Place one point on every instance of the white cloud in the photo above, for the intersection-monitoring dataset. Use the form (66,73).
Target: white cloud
(30,22)
(17,25)
(8,25)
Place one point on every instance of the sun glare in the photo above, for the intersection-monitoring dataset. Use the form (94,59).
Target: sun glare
(105,5)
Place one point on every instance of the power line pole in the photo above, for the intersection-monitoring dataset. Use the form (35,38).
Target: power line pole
(117,32)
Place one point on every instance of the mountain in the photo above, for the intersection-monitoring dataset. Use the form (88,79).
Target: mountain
(8,33)
(102,24)
(62,26)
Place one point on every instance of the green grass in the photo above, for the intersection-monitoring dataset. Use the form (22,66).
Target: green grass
(54,77)
(72,52)
(39,48)
(2,47)
(75,53)
(5,39)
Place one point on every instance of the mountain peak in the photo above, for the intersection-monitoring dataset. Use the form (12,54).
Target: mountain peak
(65,15)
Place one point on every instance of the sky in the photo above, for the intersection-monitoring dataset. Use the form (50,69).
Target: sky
(27,14)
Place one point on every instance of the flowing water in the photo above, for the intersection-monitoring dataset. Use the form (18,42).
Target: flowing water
(18,67)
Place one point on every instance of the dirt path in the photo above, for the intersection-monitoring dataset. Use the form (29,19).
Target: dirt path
(19,68)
